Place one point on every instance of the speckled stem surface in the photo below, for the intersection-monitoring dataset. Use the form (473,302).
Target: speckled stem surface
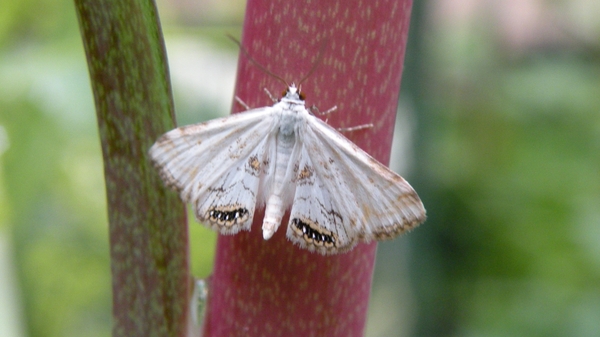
(148,233)
(273,288)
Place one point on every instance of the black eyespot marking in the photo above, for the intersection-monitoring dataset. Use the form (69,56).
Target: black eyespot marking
(312,234)
(227,216)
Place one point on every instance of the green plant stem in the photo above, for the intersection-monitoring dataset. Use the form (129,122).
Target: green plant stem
(148,233)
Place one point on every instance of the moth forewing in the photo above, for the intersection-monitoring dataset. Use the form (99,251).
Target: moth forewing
(368,200)
(218,172)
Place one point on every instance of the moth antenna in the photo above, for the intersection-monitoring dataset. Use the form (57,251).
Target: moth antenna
(258,65)
(317,62)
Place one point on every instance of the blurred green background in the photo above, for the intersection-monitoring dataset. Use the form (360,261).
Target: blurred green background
(498,131)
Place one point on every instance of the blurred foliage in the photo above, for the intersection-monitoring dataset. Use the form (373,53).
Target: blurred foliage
(53,204)
(53,179)
(35,21)
(509,170)
(507,164)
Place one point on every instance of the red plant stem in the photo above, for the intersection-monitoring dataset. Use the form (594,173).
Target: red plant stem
(273,288)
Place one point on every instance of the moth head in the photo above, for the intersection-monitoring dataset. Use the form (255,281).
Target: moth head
(293,92)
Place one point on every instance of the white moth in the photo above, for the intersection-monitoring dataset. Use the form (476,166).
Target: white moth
(282,156)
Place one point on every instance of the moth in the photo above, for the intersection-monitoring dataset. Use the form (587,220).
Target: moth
(283,156)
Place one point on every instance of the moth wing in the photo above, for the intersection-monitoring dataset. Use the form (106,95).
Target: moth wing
(218,166)
(343,195)
(317,218)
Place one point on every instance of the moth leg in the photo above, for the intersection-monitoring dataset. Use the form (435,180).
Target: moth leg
(275,100)
(247,107)
(350,129)
(356,128)
(316,110)
(242,103)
